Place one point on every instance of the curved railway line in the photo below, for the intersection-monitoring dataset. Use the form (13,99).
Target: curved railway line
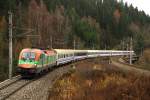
(11,87)
(37,89)
(23,89)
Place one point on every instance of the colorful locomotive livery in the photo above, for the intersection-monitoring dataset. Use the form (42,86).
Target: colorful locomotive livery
(34,61)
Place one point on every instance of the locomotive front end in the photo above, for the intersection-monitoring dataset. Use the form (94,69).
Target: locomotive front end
(27,62)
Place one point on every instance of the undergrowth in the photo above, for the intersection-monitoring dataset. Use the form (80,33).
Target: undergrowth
(99,84)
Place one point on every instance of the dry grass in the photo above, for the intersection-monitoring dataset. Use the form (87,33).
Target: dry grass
(146,56)
(144,60)
(100,83)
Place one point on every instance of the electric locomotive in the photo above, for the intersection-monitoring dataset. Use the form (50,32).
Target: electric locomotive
(33,61)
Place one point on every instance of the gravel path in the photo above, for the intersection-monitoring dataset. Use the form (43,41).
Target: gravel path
(128,68)
(38,89)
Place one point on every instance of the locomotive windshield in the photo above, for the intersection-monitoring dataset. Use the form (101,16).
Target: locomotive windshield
(28,56)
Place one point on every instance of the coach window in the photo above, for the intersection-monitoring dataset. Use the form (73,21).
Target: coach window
(59,56)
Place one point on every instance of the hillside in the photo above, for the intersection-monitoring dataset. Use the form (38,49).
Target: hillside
(144,60)
(92,24)
(93,80)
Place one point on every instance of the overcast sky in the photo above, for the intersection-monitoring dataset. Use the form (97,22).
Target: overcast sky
(141,4)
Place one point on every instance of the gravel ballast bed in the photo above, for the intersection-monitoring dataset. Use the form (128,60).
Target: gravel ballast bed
(38,90)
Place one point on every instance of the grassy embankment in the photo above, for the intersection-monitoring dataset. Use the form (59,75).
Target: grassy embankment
(100,82)
(144,60)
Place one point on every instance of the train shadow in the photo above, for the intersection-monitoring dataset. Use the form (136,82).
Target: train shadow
(28,76)
(39,75)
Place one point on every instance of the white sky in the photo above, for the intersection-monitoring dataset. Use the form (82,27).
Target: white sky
(141,4)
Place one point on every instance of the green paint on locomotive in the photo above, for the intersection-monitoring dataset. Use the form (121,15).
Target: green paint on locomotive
(47,59)
(28,62)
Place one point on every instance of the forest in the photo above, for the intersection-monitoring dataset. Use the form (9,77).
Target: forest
(91,24)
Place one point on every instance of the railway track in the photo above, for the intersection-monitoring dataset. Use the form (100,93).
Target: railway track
(9,89)
(8,82)
(19,88)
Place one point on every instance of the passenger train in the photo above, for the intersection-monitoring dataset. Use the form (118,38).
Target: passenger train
(34,61)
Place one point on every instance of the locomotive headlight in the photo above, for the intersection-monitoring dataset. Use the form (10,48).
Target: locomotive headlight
(35,65)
